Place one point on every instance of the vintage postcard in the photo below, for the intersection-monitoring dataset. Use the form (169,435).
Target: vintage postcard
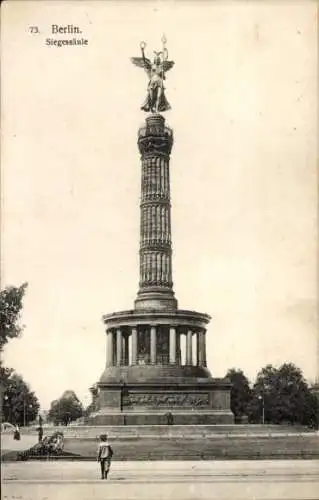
(159,246)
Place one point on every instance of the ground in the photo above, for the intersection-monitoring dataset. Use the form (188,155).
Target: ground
(178,480)
(250,446)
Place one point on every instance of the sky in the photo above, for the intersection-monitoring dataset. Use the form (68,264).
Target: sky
(243,179)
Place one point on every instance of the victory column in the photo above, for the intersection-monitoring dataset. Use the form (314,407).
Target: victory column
(146,378)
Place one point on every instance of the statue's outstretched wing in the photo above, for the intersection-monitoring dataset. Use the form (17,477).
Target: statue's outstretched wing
(167,65)
(142,63)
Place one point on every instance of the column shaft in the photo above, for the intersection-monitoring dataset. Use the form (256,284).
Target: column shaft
(114,348)
(178,348)
(134,345)
(118,347)
(201,348)
(172,345)
(189,348)
(125,354)
(204,348)
(197,349)
(153,344)
(155,227)
(109,348)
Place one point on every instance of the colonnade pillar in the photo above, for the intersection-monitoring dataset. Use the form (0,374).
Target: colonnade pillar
(118,347)
(134,345)
(201,348)
(125,353)
(204,349)
(153,344)
(118,350)
(197,350)
(189,348)
(109,348)
(172,345)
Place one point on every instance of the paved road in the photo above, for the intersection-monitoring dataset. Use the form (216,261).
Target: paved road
(222,480)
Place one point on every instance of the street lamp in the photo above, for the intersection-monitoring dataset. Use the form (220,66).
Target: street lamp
(262,399)
(24,411)
(8,405)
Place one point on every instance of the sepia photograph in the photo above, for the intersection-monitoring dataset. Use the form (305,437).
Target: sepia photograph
(159,250)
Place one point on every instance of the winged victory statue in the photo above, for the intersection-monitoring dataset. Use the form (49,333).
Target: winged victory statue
(155,100)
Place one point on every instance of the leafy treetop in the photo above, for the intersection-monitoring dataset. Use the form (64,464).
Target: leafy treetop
(11,302)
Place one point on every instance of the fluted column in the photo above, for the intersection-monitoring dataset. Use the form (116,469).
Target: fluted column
(155,225)
(134,345)
(114,347)
(172,345)
(204,344)
(109,348)
(118,347)
(197,349)
(153,344)
(178,347)
(189,348)
(125,353)
(155,142)
(201,348)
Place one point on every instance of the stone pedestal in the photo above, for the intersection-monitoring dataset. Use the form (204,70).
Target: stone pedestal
(153,381)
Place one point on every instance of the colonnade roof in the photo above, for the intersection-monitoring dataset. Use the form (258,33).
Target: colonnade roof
(179,317)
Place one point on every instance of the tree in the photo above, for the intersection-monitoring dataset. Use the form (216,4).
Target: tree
(240,395)
(11,302)
(20,404)
(66,409)
(282,396)
(5,374)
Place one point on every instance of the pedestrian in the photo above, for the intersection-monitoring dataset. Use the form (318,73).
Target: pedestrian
(104,455)
(40,433)
(16,433)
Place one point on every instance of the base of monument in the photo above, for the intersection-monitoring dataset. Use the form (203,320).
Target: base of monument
(177,400)
(155,300)
(166,418)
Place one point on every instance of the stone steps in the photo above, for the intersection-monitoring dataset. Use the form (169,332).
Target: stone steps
(177,449)
(170,431)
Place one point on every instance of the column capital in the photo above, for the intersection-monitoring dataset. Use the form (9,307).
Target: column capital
(182,330)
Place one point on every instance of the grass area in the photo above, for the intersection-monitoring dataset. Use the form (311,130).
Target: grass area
(202,449)
(218,448)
